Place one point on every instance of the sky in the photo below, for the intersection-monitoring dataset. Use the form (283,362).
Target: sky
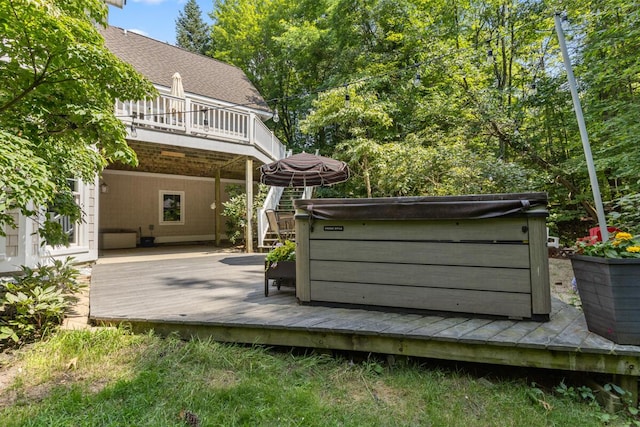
(154,18)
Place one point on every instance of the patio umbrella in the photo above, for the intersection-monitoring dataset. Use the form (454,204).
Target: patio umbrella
(177,90)
(304,170)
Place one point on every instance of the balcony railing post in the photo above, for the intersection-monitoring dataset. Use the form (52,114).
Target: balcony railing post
(252,128)
(194,117)
(188,116)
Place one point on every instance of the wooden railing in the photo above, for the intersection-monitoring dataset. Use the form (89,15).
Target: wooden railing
(194,117)
(270,202)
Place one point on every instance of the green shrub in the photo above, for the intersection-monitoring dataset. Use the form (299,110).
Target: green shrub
(35,301)
(235,211)
(282,252)
(625,213)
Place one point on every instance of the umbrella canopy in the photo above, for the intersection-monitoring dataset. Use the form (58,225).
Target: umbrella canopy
(176,86)
(177,90)
(304,170)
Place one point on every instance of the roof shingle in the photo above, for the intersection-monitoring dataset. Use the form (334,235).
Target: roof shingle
(201,75)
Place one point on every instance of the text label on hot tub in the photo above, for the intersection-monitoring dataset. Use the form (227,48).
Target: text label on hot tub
(334,228)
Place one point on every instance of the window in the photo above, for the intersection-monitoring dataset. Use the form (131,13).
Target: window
(3,246)
(68,227)
(171,207)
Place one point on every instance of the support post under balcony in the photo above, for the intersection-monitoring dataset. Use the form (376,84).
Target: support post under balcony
(218,209)
(249,192)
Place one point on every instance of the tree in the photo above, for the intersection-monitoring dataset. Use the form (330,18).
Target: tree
(192,33)
(609,68)
(493,89)
(350,129)
(284,48)
(59,86)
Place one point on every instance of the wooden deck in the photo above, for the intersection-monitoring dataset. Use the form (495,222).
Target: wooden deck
(222,296)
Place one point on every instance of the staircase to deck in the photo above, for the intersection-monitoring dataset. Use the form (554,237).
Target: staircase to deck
(284,208)
(288,196)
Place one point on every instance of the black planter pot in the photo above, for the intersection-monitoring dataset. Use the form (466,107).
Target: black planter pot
(147,242)
(283,272)
(610,293)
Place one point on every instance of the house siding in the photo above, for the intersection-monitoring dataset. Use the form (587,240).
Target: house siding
(23,246)
(12,253)
(86,248)
(92,224)
(132,205)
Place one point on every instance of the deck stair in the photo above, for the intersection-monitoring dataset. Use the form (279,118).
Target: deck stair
(285,207)
(288,196)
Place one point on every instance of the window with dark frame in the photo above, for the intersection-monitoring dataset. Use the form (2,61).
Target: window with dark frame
(171,207)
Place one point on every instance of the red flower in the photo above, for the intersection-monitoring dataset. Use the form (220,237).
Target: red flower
(588,240)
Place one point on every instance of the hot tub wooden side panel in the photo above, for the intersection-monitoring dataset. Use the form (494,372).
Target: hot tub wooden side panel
(474,230)
(425,252)
(420,275)
(496,264)
(539,262)
(421,298)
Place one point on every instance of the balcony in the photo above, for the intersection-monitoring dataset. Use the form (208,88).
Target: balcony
(201,119)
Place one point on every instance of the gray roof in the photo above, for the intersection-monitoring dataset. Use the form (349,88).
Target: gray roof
(201,75)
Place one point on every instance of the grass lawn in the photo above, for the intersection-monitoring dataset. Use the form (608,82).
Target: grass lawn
(110,377)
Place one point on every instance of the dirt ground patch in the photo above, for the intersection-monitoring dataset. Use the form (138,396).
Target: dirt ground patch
(561,279)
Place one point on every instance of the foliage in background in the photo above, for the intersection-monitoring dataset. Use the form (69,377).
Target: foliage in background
(59,86)
(625,213)
(492,88)
(192,33)
(112,377)
(35,301)
(285,47)
(235,211)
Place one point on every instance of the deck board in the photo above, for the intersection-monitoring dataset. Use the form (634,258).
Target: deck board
(485,333)
(223,295)
(459,331)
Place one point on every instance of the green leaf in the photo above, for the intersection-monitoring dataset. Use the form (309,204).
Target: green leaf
(8,333)
(60,83)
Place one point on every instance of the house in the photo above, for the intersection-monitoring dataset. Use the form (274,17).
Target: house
(204,132)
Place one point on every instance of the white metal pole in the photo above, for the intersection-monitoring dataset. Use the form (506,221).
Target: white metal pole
(595,188)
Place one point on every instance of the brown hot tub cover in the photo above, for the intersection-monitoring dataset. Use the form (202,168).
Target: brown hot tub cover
(425,208)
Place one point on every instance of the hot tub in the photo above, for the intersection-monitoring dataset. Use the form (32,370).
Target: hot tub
(477,254)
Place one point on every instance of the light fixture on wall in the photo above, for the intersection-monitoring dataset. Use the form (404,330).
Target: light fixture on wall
(104,188)
(276,117)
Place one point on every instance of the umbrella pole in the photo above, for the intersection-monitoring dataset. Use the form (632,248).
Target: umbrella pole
(595,188)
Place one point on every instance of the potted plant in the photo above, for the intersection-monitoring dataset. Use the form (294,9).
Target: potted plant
(608,280)
(280,265)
